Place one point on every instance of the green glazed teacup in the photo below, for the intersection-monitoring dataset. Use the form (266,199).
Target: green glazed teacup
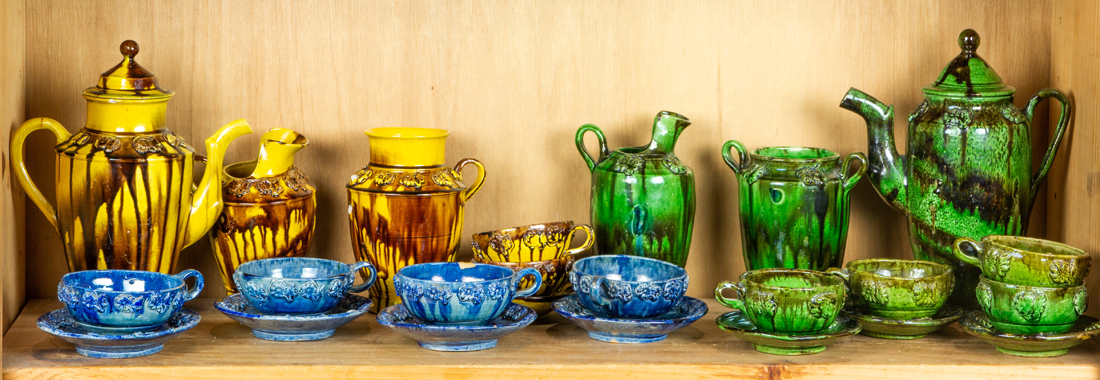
(1022,309)
(1025,261)
(791,301)
(897,289)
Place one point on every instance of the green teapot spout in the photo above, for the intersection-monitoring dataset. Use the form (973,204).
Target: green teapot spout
(667,127)
(886,168)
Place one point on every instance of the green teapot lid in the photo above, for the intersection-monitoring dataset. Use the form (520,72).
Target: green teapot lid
(968,75)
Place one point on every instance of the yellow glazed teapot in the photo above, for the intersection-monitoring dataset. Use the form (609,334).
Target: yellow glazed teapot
(125,197)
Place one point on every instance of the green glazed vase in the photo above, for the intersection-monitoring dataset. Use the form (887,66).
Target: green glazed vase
(794,205)
(643,198)
(967,171)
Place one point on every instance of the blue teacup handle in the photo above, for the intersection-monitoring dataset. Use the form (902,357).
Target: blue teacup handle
(732,303)
(599,292)
(194,292)
(531,289)
(370,280)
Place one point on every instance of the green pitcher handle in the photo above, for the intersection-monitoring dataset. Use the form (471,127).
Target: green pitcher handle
(584,152)
(961,255)
(1063,121)
(470,191)
(850,181)
(742,153)
(732,303)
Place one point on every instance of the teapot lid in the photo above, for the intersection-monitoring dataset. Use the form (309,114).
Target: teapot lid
(968,75)
(128,79)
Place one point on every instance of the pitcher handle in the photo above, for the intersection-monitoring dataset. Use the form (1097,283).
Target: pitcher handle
(589,239)
(850,181)
(961,255)
(195,290)
(531,290)
(1063,121)
(470,191)
(20,166)
(368,282)
(584,152)
(732,303)
(744,160)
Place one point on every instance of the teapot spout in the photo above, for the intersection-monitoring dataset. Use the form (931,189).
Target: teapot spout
(277,149)
(885,167)
(206,202)
(667,127)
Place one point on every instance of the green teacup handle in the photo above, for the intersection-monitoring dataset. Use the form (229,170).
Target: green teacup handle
(591,238)
(744,160)
(194,292)
(732,303)
(530,289)
(967,243)
(370,279)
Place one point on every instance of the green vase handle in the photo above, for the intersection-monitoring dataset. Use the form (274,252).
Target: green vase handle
(965,243)
(1055,141)
(851,180)
(732,303)
(584,152)
(744,160)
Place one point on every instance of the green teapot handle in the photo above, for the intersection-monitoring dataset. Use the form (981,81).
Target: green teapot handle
(1063,121)
(850,181)
(742,153)
(584,152)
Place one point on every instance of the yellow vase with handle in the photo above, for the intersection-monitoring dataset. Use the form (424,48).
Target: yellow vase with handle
(125,196)
(269,207)
(405,207)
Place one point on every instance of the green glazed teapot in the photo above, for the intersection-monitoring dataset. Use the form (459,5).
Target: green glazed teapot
(967,171)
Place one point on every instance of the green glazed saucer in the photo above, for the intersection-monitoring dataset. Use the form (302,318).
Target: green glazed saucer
(1033,345)
(786,344)
(916,328)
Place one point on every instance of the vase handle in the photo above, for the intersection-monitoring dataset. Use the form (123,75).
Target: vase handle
(584,152)
(1052,150)
(20,165)
(744,160)
(851,180)
(470,191)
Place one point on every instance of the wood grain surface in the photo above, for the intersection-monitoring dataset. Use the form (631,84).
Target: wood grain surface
(551,348)
(12,41)
(1074,181)
(513,81)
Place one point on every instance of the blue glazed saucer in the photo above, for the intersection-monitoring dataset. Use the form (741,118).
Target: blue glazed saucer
(456,338)
(116,346)
(621,330)
(293,327)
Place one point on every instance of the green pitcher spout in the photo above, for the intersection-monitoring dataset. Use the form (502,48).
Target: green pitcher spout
(886,168)
(667,127)
(277,149)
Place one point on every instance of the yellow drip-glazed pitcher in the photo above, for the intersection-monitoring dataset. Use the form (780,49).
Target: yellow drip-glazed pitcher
(125,197)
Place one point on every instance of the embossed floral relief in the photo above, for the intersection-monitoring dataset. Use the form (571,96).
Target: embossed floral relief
(1030,304)
(824,305)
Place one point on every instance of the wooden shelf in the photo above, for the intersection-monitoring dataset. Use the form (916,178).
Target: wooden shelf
(553,348)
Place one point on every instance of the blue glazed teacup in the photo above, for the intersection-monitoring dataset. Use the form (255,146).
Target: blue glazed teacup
(125,300)
(461,293)
(299,285)
(619,286)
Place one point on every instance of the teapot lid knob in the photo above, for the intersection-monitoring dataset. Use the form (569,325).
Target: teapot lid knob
(969,40)
(129,48)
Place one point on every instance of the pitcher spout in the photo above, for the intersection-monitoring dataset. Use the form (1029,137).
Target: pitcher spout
(667,127)
(277,149)
(206,202)
(886,168)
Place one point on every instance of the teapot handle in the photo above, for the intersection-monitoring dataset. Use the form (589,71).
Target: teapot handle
(470,191)
(20,166)
(1063,121)
(744,160)
(584,152)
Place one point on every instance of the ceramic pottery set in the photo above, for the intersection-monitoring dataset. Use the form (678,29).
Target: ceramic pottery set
(126,206)
(1031,291)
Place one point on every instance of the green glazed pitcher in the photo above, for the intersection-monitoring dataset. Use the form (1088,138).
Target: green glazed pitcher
(794,205)
(967,168)
(643,198)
